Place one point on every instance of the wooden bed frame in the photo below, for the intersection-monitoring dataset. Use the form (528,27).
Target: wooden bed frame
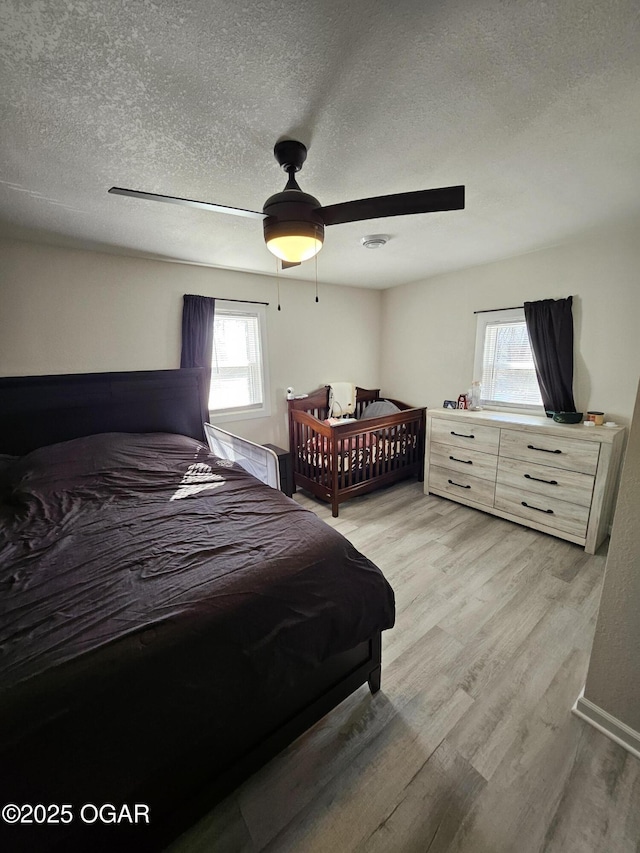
(335,483)
(40,410)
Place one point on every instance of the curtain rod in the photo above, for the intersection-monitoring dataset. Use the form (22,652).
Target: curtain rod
(489,310)
(245,301)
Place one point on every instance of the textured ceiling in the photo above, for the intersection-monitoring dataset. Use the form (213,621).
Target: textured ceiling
(534,106)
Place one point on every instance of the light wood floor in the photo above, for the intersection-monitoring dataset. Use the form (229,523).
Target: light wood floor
(470,745)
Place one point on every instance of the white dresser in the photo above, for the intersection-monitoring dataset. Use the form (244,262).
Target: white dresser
(558,478)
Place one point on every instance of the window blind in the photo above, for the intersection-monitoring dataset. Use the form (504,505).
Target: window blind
(508,372)
(236,365)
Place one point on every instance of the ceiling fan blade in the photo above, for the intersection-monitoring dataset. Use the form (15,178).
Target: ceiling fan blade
(188,202)
(400,204)
(288,264)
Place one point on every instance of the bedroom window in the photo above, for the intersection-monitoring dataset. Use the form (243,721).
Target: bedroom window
(239,380)
(504,362)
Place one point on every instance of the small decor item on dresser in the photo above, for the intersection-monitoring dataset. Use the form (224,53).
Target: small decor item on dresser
(567,417)
(463,402)
(475,395)
(596,417)
(450,404)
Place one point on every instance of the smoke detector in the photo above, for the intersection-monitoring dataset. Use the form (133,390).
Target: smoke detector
(374,241)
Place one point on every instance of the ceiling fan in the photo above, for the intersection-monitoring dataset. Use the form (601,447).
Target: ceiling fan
(294,221)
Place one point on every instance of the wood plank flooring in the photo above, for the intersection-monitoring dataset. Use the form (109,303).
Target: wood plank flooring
(470,746)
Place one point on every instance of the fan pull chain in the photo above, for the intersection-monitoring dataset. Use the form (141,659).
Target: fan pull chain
(316,260)
(278,280)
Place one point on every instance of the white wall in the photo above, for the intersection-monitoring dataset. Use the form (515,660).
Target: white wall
(64,310)
(70,311)
(429,327)
(612,682)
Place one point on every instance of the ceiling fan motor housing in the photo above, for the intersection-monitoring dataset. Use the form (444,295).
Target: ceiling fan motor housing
(293,208)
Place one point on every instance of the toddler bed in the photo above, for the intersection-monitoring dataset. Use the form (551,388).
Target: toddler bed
(337,462)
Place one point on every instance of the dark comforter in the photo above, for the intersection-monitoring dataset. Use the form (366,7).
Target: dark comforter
(149,588)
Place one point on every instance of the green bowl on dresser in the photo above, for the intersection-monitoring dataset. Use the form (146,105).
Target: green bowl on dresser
(567,417)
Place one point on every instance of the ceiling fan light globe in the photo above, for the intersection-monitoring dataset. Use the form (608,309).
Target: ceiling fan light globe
(294,248)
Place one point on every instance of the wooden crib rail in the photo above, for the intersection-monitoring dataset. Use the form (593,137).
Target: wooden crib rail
(316,403)
(407,415)
(312,422)
(308,432)
(379,450)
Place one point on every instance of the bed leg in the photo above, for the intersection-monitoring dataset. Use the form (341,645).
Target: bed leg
(376,659)
(334,507)
(374,680)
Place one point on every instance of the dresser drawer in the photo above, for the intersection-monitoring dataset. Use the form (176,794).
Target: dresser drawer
(557,514)
(545,480)
(572,454)
(464,460)
(462,433)
(461,485)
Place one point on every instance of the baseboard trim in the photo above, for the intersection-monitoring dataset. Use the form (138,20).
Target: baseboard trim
(609,725)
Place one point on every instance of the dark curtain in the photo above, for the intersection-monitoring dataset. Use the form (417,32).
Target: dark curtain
(197,336)
(550,328)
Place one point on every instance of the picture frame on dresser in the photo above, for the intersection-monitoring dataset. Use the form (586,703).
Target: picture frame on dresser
(556,478)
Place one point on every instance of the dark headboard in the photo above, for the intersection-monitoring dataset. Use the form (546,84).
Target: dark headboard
(39,410)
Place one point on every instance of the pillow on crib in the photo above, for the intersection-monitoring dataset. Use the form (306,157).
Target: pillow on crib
(378,409)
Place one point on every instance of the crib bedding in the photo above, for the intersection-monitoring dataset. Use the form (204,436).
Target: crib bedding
(149,587)
(370,448)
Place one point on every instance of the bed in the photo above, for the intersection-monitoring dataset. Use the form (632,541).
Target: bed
(338,462)
(168,622)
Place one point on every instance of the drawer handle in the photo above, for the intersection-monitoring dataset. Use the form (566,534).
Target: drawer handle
(542,449)
(464,461)
(462,435)
(459,485)
(537,508)
(540,480)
